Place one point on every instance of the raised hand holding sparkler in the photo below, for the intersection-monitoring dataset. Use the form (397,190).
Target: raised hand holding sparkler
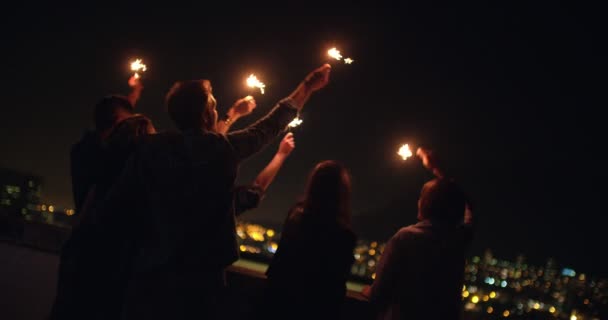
(135,80)
(430,162)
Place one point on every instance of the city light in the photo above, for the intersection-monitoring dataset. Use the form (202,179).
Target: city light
(552,309)
(492,294)
(51,209)
(536,306)
(475,299)
(465,294)
(490,309)
(270,233)
(506,313)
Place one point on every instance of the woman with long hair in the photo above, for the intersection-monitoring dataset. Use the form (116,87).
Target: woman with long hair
(307,276)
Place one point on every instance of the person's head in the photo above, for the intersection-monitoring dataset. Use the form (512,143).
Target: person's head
(328,192)
(110,110)
(191,105)
(441,200)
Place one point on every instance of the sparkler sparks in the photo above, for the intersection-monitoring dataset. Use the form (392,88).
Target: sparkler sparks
(405,152)
(334,53)
(295,122)
(253,82)
(138,66)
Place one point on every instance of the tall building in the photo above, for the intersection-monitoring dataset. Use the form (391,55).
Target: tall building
(19,196)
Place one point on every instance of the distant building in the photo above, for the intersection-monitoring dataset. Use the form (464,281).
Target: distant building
(19,197)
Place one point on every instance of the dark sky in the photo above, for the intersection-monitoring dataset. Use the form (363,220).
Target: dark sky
(508,94)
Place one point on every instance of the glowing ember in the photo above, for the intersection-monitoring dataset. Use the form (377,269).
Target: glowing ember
(348,60)
(334,53)
(138,66)
(295,122)
(253,82)
(405,151)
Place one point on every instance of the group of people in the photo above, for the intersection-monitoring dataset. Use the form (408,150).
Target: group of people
(156,220)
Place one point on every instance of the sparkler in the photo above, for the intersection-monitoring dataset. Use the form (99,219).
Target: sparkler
(295,122)
(138,66)
(405,152)
(253,82)
(335,53)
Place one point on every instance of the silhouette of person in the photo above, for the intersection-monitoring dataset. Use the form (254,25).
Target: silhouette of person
(94,167)
(86,156)
(175,199)
(307,275)
(420,273)
(95,266)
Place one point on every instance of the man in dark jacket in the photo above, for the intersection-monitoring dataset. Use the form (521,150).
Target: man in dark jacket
(421,271)
(175,198)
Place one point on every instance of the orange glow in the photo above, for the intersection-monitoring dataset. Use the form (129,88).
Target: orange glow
(253,82)
(334,53)
(405,152)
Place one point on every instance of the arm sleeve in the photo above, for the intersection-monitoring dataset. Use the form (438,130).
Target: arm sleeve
(252,139)
(247,198)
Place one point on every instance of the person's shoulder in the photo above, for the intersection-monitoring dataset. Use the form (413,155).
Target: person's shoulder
(408,233)
(89,143)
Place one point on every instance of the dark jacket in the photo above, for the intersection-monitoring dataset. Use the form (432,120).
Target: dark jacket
(308,273)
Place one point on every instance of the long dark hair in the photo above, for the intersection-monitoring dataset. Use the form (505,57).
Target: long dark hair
(328,192)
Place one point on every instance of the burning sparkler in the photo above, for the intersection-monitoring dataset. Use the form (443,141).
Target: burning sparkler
(295,122)
(335,53)
(405,152)
(253,82)
(138,66)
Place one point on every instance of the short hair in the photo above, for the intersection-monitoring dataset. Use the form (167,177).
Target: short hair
(106,110)
(191,104)
(443,200)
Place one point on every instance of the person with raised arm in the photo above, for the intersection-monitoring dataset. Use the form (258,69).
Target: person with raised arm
(420,274)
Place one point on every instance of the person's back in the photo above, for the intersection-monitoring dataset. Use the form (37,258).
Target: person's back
(420,273)
(308,273)
(309,270)
(431,259)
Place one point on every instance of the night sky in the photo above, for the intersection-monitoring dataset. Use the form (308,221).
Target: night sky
(509,95)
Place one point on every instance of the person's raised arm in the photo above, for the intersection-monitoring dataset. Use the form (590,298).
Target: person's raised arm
(252,139)
(136,88)
(240,108)
(249,197)
(267,175)
(430,161)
